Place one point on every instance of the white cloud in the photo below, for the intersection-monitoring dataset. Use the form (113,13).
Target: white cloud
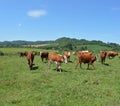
(36,13)
(19,25)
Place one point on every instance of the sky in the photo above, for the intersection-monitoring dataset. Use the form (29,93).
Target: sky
(41,20)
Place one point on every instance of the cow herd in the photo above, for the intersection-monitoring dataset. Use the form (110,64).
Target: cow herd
(109,54)
(58,59)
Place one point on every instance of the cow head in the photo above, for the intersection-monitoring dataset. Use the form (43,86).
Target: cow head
(94,58)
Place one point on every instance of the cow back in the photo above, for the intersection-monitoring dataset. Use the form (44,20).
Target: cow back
(86,57)
(55,57)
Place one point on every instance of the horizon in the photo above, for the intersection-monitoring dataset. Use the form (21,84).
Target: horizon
(45,20)
(58,38)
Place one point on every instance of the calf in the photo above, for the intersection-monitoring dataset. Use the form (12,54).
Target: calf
(44,55)
(86,57)
(23,54)
(103,56)
(30,58)
(66,56)
(111,54)
(57,58)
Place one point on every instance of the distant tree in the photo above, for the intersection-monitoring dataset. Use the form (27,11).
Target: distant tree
(69,46)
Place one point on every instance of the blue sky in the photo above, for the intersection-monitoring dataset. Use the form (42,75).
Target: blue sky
(39,20)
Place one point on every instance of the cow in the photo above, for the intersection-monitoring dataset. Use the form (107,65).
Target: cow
(66,56)
(85,51)
(111,54)
(103,55)
(30,58)
(44,55)
(23,54)
(85,57)
(57,58)
(1,53)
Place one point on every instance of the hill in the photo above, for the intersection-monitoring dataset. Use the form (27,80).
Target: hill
(64,43)
(86,44)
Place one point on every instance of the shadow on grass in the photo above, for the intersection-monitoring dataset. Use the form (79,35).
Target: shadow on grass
(70,61)
(35,68)
(90,69)
(58,70)
(106,64)
(45,62)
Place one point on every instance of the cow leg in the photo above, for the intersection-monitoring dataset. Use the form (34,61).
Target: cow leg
(88,66)
(65,59)
(32,60)
(69,58)
(77,64)
(42,59)
(46,59)
(31,64)
(80,64)
(102,61)
(91,65)
(58,66)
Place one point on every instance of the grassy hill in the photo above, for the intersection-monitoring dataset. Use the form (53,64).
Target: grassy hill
(85,44)
(64,43)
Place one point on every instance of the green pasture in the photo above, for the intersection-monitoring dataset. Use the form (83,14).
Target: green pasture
(18,50)
(46,87)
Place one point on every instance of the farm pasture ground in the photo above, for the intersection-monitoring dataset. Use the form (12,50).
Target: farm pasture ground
(46,87)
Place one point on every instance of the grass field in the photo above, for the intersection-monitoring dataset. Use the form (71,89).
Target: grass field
(43,87)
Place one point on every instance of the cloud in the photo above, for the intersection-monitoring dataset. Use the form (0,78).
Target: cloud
(36,13)
(116,9)
(19,25)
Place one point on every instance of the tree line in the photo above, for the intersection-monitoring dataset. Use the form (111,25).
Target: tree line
(63,43)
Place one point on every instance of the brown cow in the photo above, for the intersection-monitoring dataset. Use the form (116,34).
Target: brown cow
(44,55)
(23,54)
(103,56)
(57,58)
(86,57)
(30,58)
(66,56)
(111,54)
